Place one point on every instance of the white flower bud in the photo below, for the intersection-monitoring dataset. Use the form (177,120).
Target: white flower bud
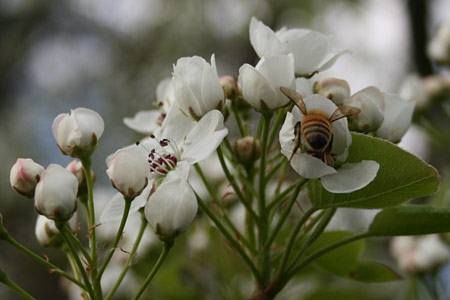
(229,86)
(439,45)
(46,232)
(371,103)
(419,254)
(56,193)
(196,86)
(398,115)
(247,149)
(261,84)
(333,88)
(77,169)
(128,172)
(25,175)
(77,133)
(172,208)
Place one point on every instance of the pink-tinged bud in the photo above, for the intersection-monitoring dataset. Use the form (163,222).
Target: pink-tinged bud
(47,234)
(229,86)
(247,149)
(25,175)
(76,168)
(333,88)
(77,133)
(56,194)
(171,208)
(128,172)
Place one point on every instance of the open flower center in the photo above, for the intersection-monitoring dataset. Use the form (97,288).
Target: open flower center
(165,158)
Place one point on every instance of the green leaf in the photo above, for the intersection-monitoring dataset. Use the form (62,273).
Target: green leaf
(369,271)
(401,177)
(340,261)
(411,220)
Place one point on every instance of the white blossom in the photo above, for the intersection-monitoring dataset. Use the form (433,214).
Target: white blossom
(196,86)
(261,84)
(172,208)
(46,232)
(24,176)
(312,50)
(56,193)
(372,105)
(347,178)
(77,133)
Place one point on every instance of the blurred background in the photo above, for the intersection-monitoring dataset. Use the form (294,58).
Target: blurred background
(110,55)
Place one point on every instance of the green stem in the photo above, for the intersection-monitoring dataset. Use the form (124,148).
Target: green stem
(166,248)
(327,249)
(225,214)
(12,285)
(314,236)
(117,238)
(238,119)
(53,268)
(281,196)
(284,216)
(236,188)
(263,224)
(80,247)
(130,257)
(229,237)
(292,239)
(63,230)
(75,271)
(87,163)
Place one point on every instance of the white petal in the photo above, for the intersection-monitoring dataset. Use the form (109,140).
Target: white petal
(176,125)
(329,62)
(319,102)
(113,210)
(287,132)
(351,177)
(397,118)
(308,166)
(186,98)
(181,171)
(255,87)
(264,40)
(212,92)
(204,138)
(172,207)
(89,122)
(145,122)
(165,94)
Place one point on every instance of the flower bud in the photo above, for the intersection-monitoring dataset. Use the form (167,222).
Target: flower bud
(172,208)
(333,88)
(439,45)
(247,149)
(77,133)
(371,103)
(419,254)
(397,118)
(76,168)
(56,193)
(47,234)
(229,86)
(128,171)
(25,175)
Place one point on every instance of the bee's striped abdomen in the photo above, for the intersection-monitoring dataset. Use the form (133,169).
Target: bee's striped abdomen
(316,131)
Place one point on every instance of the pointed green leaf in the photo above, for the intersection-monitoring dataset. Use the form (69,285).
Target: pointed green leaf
(342,260)
(369,271)
(401,177)
(411,220)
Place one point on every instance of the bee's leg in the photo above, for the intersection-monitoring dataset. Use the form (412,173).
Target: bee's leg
(330,144)
(296,139)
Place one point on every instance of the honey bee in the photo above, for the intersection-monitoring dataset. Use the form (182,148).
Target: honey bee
(316,129)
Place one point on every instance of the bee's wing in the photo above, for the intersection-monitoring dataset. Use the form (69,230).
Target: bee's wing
(344,111)
(295,97)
